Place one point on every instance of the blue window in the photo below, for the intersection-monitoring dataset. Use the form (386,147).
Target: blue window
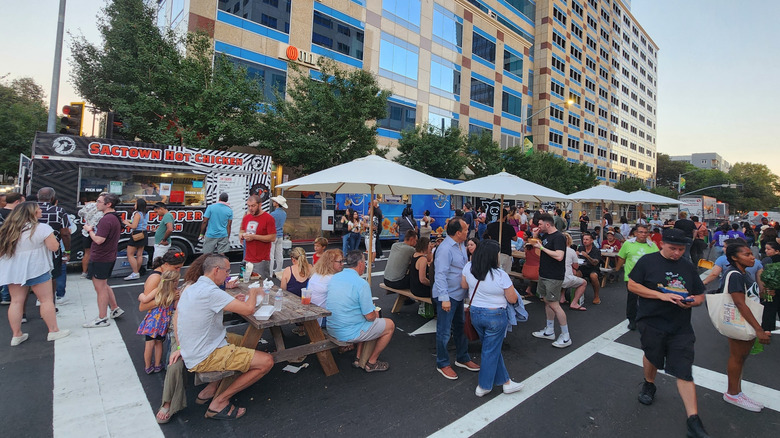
(271,78)
(513,63)
(481,92)
(441,119)
(400,117)
(447,28)
(398,59)
(484,48)
(270,13)
(336,35)
(530,83)
(445,76)
(525,7)
(512,104)
(404,12)
(479,130)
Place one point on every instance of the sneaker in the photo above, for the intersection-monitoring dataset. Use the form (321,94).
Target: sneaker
(561,342)
(447,372)
(37,303)
(5,302)
(647,394)
(133,276)
(83,275)
(542,334)
(61,301)
(16,340)
(695,428)
(24,319)
(116,313)
(53,336)
(481,392)
(470,365)
(512,386)
(742,401)
(631,325)
(97,323)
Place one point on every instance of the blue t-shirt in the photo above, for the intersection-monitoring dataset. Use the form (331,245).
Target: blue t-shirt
(349,299)
(724,264)
(219,214)
(279,216)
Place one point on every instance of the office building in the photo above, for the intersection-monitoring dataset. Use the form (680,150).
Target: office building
(484,65)
(706,160)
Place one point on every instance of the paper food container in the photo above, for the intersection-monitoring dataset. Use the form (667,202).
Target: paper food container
(264,313)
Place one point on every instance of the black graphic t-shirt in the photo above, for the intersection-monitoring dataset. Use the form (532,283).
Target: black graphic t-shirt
(654,272)
(549,267)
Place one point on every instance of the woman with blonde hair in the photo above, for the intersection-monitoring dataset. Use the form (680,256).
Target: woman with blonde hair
(329,264)
(26,248)
(296,276)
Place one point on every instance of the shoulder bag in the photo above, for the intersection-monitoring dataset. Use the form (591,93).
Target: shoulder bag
(727,319)
(468,328)
(138,235)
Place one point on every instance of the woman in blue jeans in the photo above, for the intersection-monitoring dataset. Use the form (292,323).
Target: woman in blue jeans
(346,220)
(490,290)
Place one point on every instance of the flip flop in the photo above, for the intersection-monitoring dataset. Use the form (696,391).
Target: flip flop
(202,401)
(225,414)
(578,308)
(165,412)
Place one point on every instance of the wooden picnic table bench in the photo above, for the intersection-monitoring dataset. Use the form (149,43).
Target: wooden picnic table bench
(399,302)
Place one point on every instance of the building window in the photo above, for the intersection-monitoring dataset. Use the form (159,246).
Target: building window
(270,13)
(602,153)
(559,40)
(556,114)
(576,30)
(590,106)
(445,77)
(575,75)
(591,43)
(513,64)
(484,48)
(576,8)
(481,92)
(587,148)
(559,15)
(558,64)
(590,63)
(556,138)
(337,35)
(447,30)
(575,52)
(400,117)
(574,121)
(441,119)
(590,85)
(573,143)
(273,80)
(556,88)
(403,12)
(398,59)
(512,104)
(589,127)
(479,130)
(509,141)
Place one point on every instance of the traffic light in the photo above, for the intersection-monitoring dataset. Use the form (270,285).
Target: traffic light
(114,125)
(74,118)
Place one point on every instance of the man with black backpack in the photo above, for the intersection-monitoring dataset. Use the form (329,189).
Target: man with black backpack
(58,220)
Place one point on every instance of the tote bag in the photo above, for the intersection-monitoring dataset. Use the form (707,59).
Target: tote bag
(726,317)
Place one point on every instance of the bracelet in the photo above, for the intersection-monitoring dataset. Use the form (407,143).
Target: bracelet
(67,252)
(178,347)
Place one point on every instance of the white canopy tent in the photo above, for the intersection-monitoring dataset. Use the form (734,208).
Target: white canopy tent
(644,197)
(604,194)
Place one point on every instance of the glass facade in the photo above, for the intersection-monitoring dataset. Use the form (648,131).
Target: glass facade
(336,35)
(484,48)
(271,78)
(400,117)
(482,92)
(398,59)
(445,76)
(270,13)
(403,12)
(447,30)
(512,104)
(513,64)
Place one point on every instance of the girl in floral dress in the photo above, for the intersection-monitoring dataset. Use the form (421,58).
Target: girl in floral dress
(158,320)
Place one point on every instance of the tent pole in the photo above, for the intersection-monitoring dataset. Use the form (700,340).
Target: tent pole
(370,232)
(500,221)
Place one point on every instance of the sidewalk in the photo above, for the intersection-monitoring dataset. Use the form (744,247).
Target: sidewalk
(96,388)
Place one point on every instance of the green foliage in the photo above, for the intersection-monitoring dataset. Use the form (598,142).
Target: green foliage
(631,184)
(760,187)
(324,123)
(161,95)
(432,152)
(665,191)
(549,170)
(484,155)
(771,276)
(22,113)
(668,171)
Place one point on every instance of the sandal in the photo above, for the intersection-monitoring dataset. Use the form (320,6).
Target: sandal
(300,331)
(158,368)
(230,412)
(164,412)
(582,308)
(597,301)
(378,366)
(149,370)
(356,363)
(346,348)
(202,401)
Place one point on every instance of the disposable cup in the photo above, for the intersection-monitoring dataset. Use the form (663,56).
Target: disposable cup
(305,296)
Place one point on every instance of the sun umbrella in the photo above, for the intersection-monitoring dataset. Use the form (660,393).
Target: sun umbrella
(603,194)
(644,197)
(374,175)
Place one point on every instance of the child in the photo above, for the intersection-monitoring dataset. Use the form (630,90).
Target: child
(320,245)
(157,321)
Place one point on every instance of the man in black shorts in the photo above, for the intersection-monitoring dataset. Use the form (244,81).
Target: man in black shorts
(552,269)
(668,287)
(102,258)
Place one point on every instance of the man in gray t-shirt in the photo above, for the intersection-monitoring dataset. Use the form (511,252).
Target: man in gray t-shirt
(397,268)
(205,345)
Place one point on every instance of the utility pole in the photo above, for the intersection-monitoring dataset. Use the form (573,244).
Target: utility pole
(55,75)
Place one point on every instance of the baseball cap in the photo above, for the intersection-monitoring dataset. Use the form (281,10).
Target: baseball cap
(675,237)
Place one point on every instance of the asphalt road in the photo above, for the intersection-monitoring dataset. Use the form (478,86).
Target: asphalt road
(588,389)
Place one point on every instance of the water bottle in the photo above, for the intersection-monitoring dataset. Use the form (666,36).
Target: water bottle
(278,298)
(241,272)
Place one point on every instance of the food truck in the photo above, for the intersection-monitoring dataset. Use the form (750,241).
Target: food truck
(186,179)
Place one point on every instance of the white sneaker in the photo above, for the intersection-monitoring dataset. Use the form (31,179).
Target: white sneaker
(481,392)
(53,336)
(742,401)
(133,276)
(97,323)
(562,343)
(37,303)
(542,334)
(61,300)
(116,313)
(83,275)
(16,340)
(512,386)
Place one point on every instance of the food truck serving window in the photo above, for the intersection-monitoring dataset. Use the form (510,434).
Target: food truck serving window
(184,189)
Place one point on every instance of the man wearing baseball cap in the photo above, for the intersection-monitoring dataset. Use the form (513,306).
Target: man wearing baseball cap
(280,216)
(668,286)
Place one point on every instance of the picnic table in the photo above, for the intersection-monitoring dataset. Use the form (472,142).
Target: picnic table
(608,256)
(292,312)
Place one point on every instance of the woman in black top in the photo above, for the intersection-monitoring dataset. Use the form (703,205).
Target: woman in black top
(419,283)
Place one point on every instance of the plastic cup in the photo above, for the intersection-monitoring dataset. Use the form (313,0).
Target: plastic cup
(305,296)
(248,272)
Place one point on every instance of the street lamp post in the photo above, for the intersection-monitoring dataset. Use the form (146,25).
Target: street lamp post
(724,186)
(523,125)
(680,180)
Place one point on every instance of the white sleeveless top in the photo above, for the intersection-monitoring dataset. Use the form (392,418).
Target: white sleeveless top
(32,258)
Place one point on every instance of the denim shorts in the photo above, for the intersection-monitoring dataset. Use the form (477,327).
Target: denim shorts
(38,280)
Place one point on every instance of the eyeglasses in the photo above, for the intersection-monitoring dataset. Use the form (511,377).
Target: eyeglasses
(338,261)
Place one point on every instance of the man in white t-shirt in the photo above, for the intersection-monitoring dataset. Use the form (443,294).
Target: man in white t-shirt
(205,345)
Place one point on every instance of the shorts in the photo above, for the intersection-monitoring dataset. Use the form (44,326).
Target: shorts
(219,245)
(231,357)
(100,270)
(572,281)
(43,278)
(672,352)
(549,290)
(154,338)
(137,243)
(587,270)
(373,332)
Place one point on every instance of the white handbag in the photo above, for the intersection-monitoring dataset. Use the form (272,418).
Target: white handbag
(726,317)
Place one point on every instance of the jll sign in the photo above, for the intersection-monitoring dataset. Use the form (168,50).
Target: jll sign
(301,56)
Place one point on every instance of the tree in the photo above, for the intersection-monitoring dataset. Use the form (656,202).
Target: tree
(22,113)
(162,95)
(668,171)
(549,170)
(326,121)
(427,149)
(631,184)
(760,187)
(484,155)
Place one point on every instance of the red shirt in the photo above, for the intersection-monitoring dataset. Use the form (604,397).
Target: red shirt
(656,237)
(314,258)
(264,224)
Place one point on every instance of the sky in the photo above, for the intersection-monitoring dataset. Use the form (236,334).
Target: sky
(717,60)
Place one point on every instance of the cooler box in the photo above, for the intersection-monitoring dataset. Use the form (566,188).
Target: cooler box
(122,266)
